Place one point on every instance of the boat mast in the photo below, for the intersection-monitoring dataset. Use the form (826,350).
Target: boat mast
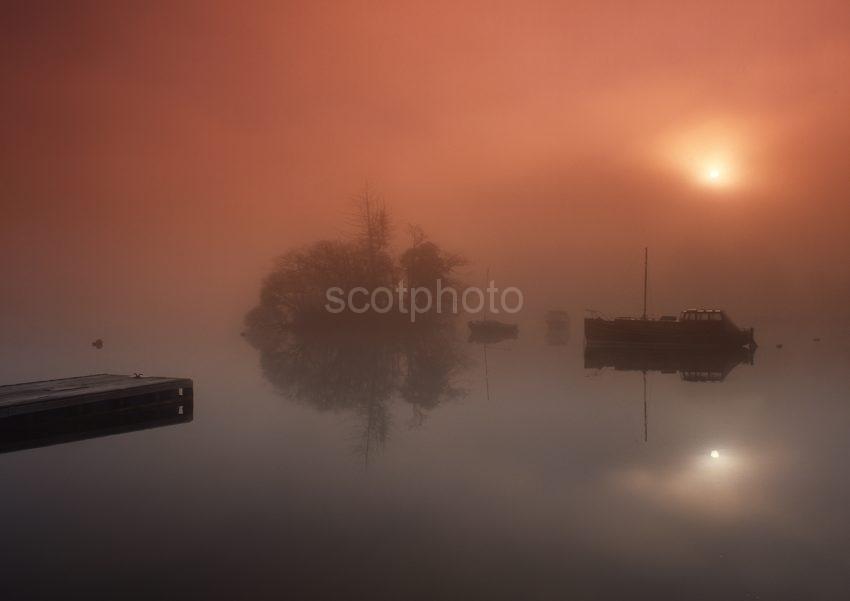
(486,284)
(484,346)
(645,270)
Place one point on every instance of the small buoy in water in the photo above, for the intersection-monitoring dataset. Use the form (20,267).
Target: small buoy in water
(816,339)
(778,346)
(715,454)
(98,344)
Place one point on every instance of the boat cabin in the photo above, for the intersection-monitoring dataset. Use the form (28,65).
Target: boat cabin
(702,315)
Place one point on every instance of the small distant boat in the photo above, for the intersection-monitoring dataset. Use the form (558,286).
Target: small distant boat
(691,328)
(491,331)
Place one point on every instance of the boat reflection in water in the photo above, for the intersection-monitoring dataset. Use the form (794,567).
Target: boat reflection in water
(92,420)
(692,364)
(699,364)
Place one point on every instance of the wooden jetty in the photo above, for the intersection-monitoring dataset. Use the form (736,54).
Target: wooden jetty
(54,411)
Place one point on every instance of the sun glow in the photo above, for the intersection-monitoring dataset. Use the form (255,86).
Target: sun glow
(711,155)
(715,171)
(715,175)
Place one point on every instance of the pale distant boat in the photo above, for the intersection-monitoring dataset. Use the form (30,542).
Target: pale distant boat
(557,327)
(491,331)
(557,320)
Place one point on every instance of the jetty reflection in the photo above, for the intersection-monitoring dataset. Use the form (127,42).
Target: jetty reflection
(692,364)
(94,420)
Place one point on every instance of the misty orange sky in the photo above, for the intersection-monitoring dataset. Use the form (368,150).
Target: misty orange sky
(156,159)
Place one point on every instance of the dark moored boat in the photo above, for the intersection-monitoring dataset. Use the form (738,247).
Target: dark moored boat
(695,327)
(692,328)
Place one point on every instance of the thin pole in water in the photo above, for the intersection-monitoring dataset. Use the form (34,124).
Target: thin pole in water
(486,373)
(645,432)
(645,271)
(487,285)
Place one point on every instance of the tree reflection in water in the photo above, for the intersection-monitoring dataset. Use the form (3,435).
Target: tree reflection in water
(363,365)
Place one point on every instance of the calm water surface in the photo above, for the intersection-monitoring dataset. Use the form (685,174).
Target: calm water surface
(522,476)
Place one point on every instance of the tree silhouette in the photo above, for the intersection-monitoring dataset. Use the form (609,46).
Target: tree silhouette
(357,363)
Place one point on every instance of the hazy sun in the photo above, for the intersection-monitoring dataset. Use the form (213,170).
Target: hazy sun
(715,174)
(710,154)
